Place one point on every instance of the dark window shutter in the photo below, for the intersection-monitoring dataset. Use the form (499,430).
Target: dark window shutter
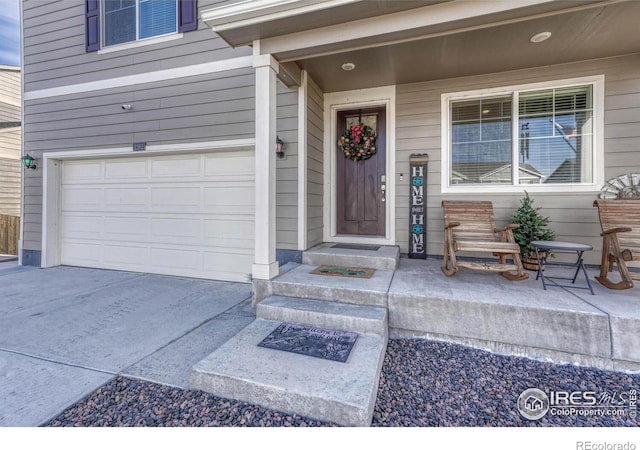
(92,30)
(188,18)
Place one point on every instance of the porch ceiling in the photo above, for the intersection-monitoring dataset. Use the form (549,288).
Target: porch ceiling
(601,30)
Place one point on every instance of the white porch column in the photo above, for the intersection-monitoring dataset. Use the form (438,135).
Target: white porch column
(265,265)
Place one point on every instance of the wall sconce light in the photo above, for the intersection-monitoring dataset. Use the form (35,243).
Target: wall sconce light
(280,146)
(29,162)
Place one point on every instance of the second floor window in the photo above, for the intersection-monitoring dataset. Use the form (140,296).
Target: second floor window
(132,20)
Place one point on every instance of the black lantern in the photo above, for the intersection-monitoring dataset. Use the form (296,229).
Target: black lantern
(29,161)
(280,146)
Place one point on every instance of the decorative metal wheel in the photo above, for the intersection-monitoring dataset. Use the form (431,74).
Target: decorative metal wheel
(622,186)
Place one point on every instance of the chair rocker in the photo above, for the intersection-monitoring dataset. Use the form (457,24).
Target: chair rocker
(620,222)
(470,227)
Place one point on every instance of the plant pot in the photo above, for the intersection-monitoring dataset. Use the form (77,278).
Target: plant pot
(532,263)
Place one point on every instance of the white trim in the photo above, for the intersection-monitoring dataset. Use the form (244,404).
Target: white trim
(598,83)
(140,43)
(265,266)
(142,78)
(188,147)
(252,12)
(395,25)
(50,255)
(303,92)
(333,102)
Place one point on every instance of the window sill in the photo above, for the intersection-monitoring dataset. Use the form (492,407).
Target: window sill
(136,44)
(520,189)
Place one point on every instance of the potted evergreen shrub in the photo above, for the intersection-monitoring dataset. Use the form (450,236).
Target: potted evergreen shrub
(533,227)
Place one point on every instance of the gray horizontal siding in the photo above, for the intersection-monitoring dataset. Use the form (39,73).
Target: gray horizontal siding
(572,215)
(315,164)
(10,186)
(287,169)
(208,107)
(54,48)
(205,107)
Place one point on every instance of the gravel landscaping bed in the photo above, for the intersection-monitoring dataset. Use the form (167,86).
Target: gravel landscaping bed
(424,383)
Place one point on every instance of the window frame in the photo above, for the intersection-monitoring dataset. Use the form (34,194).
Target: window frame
(137,41)
(597,176)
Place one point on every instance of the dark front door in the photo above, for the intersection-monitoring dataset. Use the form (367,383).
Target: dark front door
(360,184)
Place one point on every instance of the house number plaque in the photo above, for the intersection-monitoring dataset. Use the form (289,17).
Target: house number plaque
(418,206)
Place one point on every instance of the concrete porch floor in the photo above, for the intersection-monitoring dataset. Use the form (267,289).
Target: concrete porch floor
(487,311)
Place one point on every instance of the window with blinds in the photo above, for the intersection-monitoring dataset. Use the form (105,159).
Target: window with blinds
(522,137)
(131,20)
(556,129)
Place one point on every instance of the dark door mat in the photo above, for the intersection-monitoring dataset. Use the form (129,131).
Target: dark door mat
(372,248)
(339,271)
(325,343)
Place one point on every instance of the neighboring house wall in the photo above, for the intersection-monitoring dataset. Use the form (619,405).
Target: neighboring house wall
(315,170)
(10,135)
(572,215)
(10,186)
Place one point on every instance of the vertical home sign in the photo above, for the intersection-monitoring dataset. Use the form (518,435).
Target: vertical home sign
(418,206)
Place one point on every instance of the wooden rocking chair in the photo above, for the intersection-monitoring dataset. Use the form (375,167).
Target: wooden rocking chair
(620,221)
(470,227)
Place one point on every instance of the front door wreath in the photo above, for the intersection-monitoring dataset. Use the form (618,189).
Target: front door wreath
(358,142)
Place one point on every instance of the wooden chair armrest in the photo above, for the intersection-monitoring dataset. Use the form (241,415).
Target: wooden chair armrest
(511,226)
(451,225)
(616,230)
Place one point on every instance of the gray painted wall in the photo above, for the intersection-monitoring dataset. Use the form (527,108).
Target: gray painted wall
(54,53)
(209,107)
(315,164)
(572,215)
(287,169)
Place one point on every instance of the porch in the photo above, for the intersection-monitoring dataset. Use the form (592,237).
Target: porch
(487,311)
(411,299)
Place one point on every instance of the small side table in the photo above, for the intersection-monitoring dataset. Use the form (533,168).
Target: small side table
(562,247)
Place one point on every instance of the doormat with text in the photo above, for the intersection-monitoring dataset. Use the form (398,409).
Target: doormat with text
(369,248)
(339,271)
(325,343)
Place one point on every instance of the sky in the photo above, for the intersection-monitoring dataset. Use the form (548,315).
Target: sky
(10,32)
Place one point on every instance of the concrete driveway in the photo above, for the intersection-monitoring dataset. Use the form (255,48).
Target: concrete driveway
(65,331)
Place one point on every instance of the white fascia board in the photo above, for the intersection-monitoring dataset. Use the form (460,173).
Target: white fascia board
(391,23)
(251,12)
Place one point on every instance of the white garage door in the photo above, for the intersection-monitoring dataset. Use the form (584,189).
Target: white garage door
(188,215)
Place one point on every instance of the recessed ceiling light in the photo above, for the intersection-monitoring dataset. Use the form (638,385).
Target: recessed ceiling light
(536,38)
(348,66)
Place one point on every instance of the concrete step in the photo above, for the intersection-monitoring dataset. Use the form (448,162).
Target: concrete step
(344,393)
(339,316)
(384,257)
(299,282)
